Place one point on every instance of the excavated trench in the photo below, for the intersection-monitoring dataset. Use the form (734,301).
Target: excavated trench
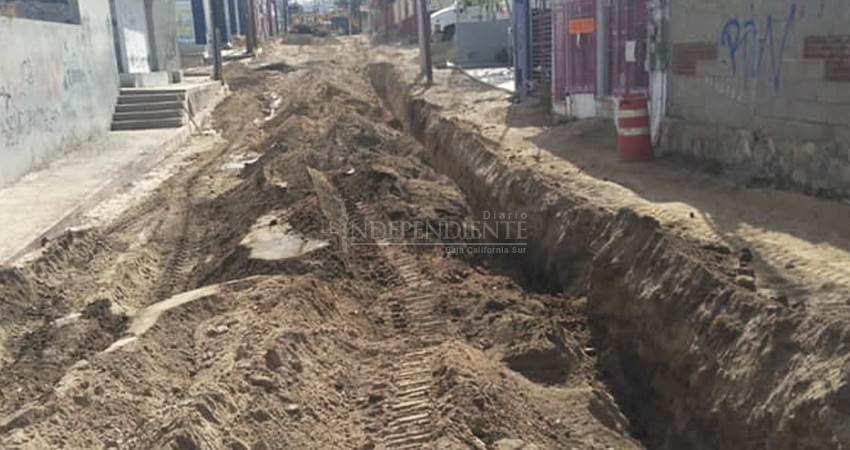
(694,360)
(221,313)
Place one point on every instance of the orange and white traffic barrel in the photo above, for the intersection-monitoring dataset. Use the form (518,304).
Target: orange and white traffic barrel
(634,142)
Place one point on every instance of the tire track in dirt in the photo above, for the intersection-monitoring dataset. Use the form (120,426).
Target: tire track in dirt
(409,421)
(186,248)
(411,310)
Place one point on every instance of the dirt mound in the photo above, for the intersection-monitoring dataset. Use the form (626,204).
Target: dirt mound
(221,372)
(227,311)
(483,405)
(46,351)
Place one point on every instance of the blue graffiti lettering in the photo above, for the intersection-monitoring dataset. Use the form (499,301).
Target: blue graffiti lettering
(743,40)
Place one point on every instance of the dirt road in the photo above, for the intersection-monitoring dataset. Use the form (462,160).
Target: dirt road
(222,310)
(238,303)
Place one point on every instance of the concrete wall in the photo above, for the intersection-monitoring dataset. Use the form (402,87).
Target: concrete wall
(162,20)
(58,87)
(132,26)
(482,44)
(763,85)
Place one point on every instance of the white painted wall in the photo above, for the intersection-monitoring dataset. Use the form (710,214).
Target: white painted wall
(133,31)
(58,87)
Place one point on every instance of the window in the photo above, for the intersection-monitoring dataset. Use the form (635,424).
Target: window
(62,11)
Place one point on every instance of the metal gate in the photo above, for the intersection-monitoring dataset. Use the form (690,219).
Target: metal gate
(559,52)
(574,41)
(628,47)
(522,46)
(541,48)
(581,46)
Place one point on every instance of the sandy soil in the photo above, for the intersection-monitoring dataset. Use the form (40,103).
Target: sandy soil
(225,303)
(222,311)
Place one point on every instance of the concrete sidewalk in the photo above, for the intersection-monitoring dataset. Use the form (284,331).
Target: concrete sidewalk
(44,203)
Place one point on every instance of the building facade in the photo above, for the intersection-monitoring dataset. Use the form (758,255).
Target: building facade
(63,66)
(58,84)
(761,86)
(146,41)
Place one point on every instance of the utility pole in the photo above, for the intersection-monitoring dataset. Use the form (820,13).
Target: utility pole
(425,40)
(216,38)
(350,9)
(246,28)
(286,16)
(251,28)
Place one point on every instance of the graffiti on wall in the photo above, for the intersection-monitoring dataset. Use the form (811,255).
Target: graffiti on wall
(752,46)
(73,77)
(15,124)
(31,97)
(5,100)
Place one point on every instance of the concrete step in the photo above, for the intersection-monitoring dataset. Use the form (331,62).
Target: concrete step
(150,98)
(150,124)
(148,115)
(155,106)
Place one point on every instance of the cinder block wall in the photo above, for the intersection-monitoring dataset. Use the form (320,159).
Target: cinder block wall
(763,86)
(58,87)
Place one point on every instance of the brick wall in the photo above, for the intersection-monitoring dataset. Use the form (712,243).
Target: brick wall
(834,50)
(763,85)
(686,56)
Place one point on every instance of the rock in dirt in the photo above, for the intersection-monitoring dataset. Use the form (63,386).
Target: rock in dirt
(746,282)
(218,330)
(293,409)
(262,381)
(273,359)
